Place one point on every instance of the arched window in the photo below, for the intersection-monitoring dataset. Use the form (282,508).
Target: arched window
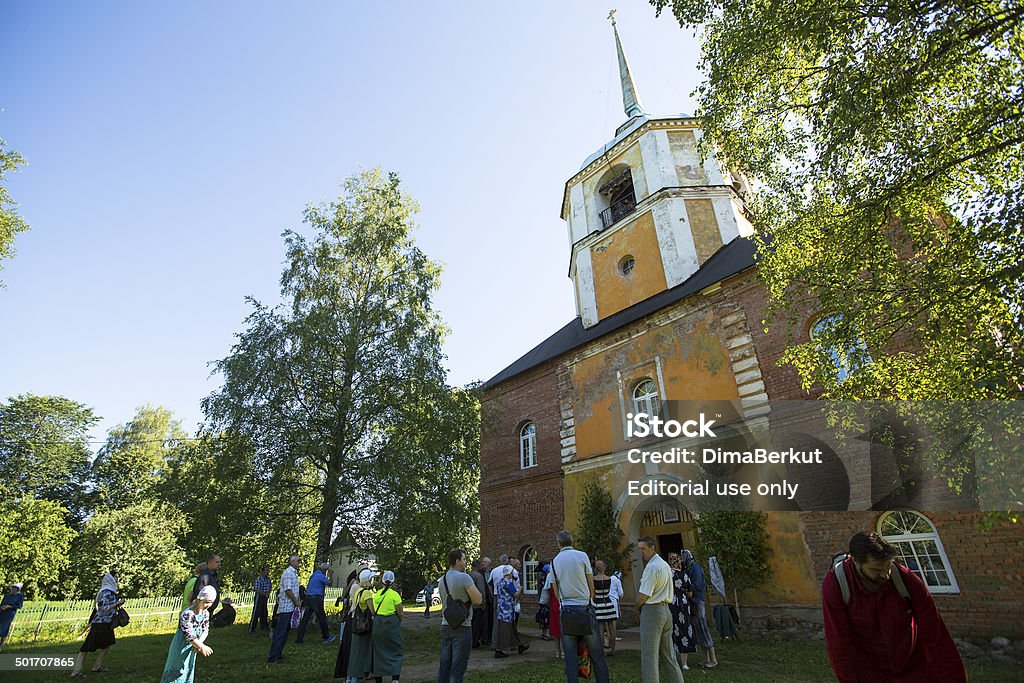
(645,398)
(845,360)
(528,446)
(615,194)
(531,571)
(919,547)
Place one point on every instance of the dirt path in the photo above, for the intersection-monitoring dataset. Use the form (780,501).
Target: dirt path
(482,659)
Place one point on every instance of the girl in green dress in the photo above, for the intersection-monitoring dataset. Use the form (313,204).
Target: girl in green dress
(189,639)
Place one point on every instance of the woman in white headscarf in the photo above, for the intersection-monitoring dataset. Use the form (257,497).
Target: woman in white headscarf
(190,639)
(360,658)
(101,625)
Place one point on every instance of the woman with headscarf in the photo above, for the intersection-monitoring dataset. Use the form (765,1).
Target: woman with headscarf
(387,631)
(190,639)
(506,594)
(360,657)
(101,625)
(698,588)
(683,637)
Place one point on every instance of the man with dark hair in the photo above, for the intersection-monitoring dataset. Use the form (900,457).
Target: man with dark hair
(209,577)
(261,588)
(456,639)
(881,623)
(574,584)
(656,592)
(478,610)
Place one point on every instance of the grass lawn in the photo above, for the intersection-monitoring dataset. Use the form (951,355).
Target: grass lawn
(240,658)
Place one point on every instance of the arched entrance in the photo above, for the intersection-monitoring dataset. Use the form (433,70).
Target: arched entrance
(672,522)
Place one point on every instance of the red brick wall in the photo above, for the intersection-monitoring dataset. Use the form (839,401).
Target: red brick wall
(518,507)
(986,564)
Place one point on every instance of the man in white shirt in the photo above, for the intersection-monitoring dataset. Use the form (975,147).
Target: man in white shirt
(653,598)
(287,602)
(574,581)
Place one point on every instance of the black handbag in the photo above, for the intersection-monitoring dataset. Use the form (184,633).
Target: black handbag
(575,622)
(362,618)
(121,618)
(455,612)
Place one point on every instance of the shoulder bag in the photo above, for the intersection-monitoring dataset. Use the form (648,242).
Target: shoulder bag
(574,622)
(455,612)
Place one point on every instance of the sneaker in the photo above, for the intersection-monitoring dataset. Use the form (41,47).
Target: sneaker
(498,654)
(523,648)
(329,640)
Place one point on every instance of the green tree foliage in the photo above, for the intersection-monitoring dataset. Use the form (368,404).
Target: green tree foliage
(435,505)
(35,540)
(886,144)
(11,223)
(740,542)
(134,462)
(230,511)
(599,535)
(44,451)
(140,541)
(326,386)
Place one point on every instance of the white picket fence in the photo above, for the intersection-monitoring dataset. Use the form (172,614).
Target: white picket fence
(72,616)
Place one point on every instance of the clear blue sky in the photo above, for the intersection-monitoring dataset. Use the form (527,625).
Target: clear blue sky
(170,144)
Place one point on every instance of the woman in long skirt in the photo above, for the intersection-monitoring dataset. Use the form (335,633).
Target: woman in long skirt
(551,590)
(387,631)
(345,601)
(508,637)
(190,639)
(101,626)
(683,637)
(360,657)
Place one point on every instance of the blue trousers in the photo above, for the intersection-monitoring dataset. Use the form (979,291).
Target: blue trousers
(284,622)
(456,644)
(594,644)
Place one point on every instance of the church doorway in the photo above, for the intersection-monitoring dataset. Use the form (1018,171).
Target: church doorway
(670,525)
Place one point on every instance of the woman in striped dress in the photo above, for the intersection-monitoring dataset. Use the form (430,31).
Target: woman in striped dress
(604,608)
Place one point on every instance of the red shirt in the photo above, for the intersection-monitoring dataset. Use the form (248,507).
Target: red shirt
(877,638)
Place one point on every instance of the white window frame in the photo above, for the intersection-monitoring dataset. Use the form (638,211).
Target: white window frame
(651,400)
(528,446)
(531,573)
(911,539)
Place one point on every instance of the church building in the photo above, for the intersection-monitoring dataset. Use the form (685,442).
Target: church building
(670,308)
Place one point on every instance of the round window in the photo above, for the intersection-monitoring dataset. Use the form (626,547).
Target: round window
(626,265)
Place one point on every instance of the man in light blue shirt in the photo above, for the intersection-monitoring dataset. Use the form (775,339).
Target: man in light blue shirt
(574,581)
(315,591)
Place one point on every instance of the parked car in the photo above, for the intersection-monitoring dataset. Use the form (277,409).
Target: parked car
(435,600)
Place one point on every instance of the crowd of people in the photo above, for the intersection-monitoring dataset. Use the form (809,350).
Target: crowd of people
(880,620)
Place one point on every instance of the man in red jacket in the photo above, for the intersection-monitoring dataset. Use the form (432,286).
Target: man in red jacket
(882,629)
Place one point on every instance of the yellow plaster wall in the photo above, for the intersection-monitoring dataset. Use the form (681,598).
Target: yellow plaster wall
(695,365)
(704,227)
(793,580)
(615,291)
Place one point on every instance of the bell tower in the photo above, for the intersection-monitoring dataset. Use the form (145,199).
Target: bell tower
(645,211)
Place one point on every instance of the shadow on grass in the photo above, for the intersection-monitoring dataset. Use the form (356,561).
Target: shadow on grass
(241,658)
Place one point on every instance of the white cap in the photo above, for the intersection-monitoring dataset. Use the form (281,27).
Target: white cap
(365,575)
(18,585)
(389,577)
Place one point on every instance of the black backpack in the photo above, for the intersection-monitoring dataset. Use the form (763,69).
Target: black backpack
(844,582)
(362,618)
